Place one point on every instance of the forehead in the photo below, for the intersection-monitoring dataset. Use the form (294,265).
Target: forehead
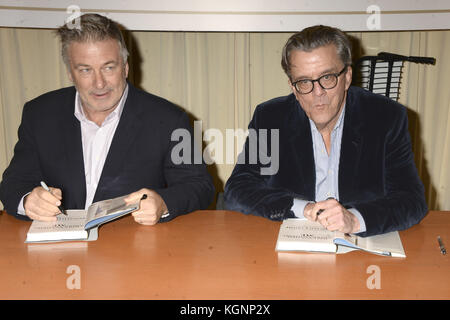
(94,52)
(315,62)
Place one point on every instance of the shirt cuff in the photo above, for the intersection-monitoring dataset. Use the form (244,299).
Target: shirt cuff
(362,224)
(165,215)
(20,208)
(298,207)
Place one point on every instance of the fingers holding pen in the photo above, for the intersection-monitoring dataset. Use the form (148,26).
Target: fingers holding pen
(57,193)
(314,210)
(152,206)
(332,216)
(41,204)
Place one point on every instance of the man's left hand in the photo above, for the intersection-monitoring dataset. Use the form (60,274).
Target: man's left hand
(151,209)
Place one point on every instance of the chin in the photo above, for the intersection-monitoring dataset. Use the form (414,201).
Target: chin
(320,117)
(321,121)
(103,106)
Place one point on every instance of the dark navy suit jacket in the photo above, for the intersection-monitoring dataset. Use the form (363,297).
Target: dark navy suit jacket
(50,149)
(377,174)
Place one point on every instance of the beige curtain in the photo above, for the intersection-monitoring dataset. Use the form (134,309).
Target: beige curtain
(30,65)
(219,78)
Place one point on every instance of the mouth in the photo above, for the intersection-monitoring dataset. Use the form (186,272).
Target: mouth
(100,95)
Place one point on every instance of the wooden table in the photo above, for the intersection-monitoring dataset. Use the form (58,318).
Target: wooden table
(216,255)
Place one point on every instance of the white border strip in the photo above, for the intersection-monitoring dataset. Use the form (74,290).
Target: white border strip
(237,15)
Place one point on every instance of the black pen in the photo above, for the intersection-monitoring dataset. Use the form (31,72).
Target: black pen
(441,245)
(322,210)
(60,207)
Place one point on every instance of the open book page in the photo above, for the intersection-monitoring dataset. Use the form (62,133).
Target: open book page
(68,227)
(107,210)
(346,242)
(386,244)
(304,235)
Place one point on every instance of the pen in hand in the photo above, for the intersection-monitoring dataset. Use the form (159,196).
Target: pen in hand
(60,207)
(322,210)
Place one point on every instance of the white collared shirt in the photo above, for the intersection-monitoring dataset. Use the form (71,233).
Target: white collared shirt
(96,141)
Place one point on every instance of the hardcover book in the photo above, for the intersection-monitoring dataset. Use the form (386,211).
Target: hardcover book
(80,224)
(306,235)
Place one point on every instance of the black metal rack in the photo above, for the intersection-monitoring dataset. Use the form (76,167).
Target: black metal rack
(382,73)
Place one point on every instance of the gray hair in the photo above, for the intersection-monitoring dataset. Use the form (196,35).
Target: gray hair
(315,37)
(92,27)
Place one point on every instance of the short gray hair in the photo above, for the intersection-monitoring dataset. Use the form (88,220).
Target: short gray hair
(92,27)
(315,37)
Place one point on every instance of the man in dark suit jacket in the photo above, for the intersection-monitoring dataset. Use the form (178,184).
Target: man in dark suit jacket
(101,139)
(345,157)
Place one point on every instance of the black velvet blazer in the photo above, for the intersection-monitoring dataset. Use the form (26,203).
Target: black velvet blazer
(50,149)
(377,174)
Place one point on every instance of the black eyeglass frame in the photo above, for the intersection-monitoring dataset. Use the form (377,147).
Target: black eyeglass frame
(337,75)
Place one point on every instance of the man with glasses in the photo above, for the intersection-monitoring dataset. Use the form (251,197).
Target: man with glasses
(345,157)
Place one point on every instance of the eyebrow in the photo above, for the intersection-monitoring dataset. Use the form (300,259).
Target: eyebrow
(87,65)
(82,65)
(327,71)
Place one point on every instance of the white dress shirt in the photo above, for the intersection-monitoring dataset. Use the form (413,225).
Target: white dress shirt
(96,141)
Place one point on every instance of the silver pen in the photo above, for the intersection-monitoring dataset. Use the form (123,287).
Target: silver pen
(60,207)
(441,245)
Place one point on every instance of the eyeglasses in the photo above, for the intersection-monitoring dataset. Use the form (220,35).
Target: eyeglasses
(327,81)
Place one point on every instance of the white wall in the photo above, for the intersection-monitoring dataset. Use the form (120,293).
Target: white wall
(236,15)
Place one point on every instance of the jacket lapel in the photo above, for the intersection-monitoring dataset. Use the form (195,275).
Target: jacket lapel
(73,148)
(302,152)
(126,131)
(351,148)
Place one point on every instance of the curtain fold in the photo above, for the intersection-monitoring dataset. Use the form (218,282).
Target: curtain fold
(219,79)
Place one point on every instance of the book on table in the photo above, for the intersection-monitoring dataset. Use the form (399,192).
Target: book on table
(80,224)
(306,235)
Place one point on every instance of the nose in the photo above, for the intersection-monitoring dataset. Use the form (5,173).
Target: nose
(99,80)
(318,90)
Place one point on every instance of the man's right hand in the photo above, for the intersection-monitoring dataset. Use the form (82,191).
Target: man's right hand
(43,205)
(333,216)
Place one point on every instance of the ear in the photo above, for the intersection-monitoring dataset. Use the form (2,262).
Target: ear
(126,69)
(69,73)
(348,77)
(292,87)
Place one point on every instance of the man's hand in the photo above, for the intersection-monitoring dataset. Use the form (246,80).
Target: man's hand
(332,215)
(151,209)
(43,205)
